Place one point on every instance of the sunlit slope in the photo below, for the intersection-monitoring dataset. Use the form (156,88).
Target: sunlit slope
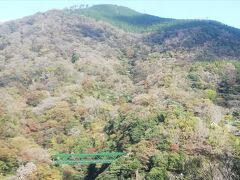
(125,18)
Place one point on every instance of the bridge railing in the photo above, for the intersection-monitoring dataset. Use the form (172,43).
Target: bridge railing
(87,158)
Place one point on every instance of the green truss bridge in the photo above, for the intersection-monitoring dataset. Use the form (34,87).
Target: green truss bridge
(87,158)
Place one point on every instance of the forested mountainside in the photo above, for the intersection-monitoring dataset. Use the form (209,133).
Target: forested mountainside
(164,91)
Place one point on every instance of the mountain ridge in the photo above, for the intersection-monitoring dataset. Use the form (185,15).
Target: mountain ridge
(115,12)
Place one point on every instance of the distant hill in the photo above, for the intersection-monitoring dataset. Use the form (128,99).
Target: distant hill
(205,38)
(131,20)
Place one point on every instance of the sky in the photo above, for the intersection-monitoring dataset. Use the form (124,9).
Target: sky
(225,11)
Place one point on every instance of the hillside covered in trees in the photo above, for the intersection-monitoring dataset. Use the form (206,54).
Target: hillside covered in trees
(164,91)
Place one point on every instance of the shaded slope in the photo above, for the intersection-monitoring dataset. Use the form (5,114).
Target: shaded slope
(207,39)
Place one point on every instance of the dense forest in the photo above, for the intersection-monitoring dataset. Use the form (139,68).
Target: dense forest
(164,91)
